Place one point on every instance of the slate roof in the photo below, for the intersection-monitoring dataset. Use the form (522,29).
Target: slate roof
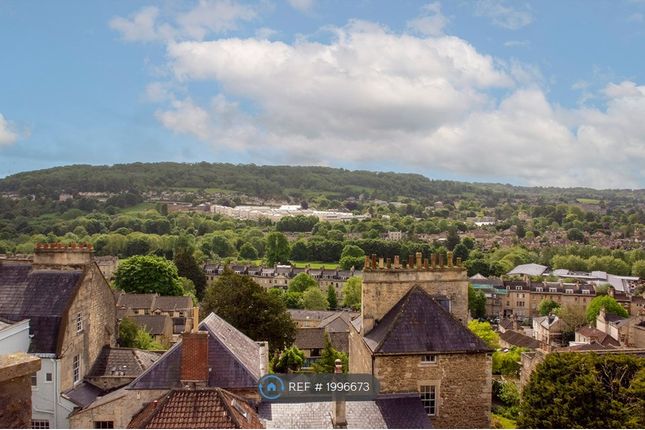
(234,360)
(136,301)
(518,339)
(172,303)
(528,269)
(42,296)
(83,394)
(208,408)
(132,362)
(418,324)
(310,338)
(387,411)
(339,341)
(153,324)
(310,315)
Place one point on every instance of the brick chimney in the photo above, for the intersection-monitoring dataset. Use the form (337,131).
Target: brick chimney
(194,356)
(59,255)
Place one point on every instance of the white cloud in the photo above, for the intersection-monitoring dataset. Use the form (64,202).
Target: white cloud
(204,18)
(516,43)
(431,23)
(503,15)
(265,33)
(302,5)
(8,133)
(624,89)
(635,17)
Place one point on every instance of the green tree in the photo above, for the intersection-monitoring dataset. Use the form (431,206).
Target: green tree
(571,390)
(468,242)
(575,235)
(251,309)
(127,333)
(461,251)
(187,267)
(352,291)
(277,248)
(507,363)
(352,256)
(638,269)
(327,361)
(302,282)
(332,299)
(476,303)
(314,299)
(452,239)
(293,300)
(248,251)
(291,360)
(573,317)
(144,340)
(485,332)
(148,274)
(609,303)
(546,306)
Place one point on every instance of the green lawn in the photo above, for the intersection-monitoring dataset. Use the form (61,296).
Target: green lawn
(500,422)
(141,207)
(588,201)
(315,264)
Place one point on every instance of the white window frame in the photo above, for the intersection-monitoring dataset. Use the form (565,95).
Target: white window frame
(538,289)
(51,376)
(103,424)
(553,290)
(428,394)
(39,424)
(34,378)
(79,322)
(568,291)
(76,369)
(429,359)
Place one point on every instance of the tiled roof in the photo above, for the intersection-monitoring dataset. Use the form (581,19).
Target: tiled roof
(403,411)
(132,362)
(310,338)
(234,360)
(153,324)
(42,296)
(208,408)
(171,303)
(598,336)
(518,339)
(418,324)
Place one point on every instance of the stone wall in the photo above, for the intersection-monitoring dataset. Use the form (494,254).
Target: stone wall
(360,357)
(383,288)
(463,383)
(15,389)
(95,302)
(119,407)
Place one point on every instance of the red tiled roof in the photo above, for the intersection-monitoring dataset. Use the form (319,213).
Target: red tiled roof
(207,408)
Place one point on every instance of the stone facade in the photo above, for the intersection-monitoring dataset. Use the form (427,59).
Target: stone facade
(15,389)
(461,385)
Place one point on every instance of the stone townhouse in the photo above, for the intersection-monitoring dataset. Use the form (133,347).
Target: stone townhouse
(412,336)
(524,297)
(72,316)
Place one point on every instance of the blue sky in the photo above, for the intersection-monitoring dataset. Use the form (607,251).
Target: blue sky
(536,93)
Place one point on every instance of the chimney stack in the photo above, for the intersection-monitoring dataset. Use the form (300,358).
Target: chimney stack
(194,355)
(339,416)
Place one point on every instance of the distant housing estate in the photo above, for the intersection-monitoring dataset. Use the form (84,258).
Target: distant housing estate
(276,214)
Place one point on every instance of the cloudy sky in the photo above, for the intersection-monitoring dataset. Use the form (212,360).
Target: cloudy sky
(545,92)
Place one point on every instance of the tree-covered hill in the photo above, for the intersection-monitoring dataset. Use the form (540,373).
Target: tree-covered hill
(280,182)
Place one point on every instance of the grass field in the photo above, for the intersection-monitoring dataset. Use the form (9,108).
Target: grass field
(500,422)
(315,264)
(141,207)
(588,201)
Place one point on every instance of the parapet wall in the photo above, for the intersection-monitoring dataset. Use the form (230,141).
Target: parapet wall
(57,254)
(385,282)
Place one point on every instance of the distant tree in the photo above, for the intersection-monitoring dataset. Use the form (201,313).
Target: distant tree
(277,248)
(485,332)
(609,303)
(314,299)
(573,317)
(352,256)
(290,360)
(476,266)
(476,303)
(602,289)
(452,239)
(461,251)
(546,306)
(352,291)
(127,333)
(221,246)
(251,309)
(148,274)
(187,267)
(327,361)
(332,299)
(144,340)
(575,235)
(571,390)
(293,300)
(302,282)
(507,363)
(638,269)
(468,242)
(248,252)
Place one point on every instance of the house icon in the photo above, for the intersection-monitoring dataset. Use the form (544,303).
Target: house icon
(271,388)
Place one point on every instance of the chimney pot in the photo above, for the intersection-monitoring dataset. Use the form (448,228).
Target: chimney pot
(433,261)
(419,260)
(380,263)
(449,255)
(366,266)
(397,263)
(389,263)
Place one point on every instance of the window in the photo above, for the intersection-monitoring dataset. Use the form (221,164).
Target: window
(76,368)
(553,290)
(79,322)
(586,292)
(103,424)
(429,399)
(34,380)
(49,377)
(538,289)
(429,358)
(518,288)
(39,424)
(520,304)
(569,291)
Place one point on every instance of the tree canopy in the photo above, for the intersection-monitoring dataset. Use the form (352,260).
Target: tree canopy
(609,303)
(302,282)
(314,299)
(352,292)
(251,309)
(148,274)
(546,306)
(277,248)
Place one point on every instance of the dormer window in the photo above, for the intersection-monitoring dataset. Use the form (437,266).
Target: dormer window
(553,290)
(518,288)
(586,292)
(569,291)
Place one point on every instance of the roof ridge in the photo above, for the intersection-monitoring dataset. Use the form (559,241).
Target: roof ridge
(229,408)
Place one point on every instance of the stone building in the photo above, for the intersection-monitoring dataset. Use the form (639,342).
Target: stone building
(16,373)
(411,335)
(72,316)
